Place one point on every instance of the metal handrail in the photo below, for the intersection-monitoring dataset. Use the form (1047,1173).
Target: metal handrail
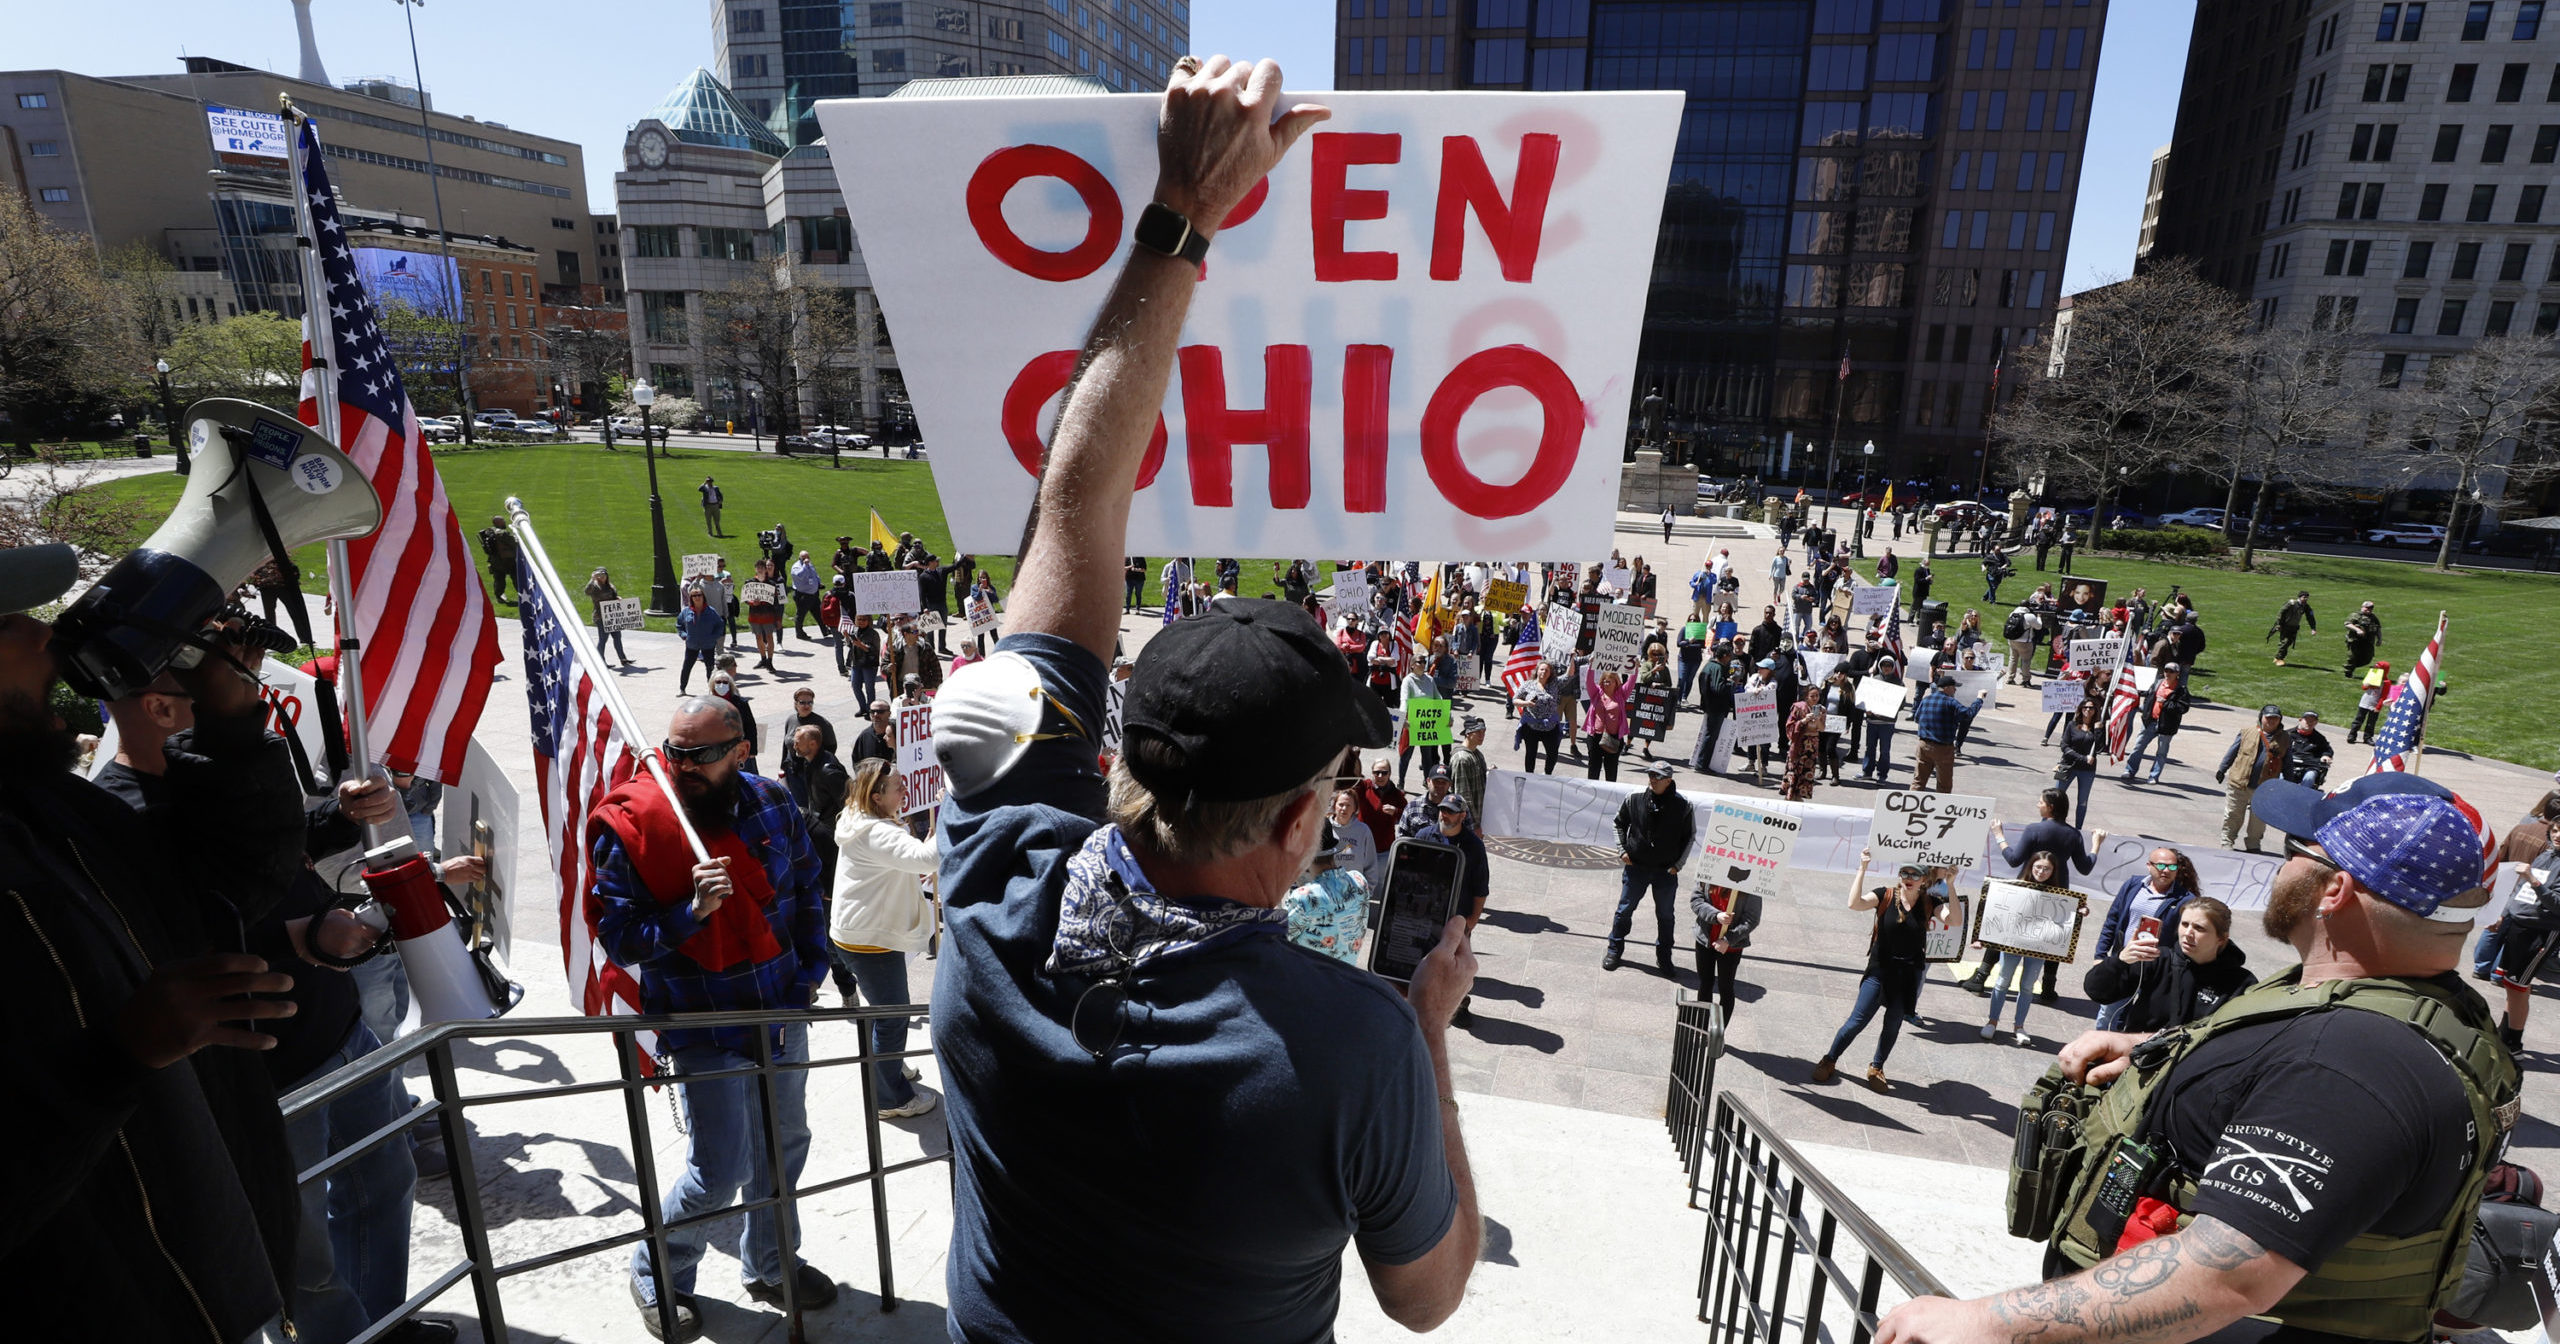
(1756,1206)
(448,1109)
(1697,1042)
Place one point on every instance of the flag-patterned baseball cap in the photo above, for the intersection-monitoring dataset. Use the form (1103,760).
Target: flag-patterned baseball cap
(2417,851)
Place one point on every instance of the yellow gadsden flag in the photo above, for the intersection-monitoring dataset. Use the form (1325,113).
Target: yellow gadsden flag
(1433,620)
(1886,504)
(881,536)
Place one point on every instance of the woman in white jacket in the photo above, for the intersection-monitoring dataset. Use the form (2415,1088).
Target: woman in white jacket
(880,914)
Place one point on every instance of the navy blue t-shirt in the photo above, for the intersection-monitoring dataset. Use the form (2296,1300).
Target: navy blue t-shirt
(1269,1103)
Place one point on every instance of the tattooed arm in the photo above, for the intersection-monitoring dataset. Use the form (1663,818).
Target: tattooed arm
(2165,1291)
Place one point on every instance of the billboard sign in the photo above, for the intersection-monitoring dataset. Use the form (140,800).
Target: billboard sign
(244,136)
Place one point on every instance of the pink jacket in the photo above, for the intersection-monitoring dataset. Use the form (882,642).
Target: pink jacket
(1605,713)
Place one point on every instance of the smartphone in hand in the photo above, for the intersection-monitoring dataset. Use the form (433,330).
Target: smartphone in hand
(1421,897)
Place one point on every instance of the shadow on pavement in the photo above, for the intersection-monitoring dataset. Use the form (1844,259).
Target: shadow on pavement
(1527,996)
(1502,1031)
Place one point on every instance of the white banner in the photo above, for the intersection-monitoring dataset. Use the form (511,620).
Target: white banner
(2099,654)
(242,133)
(1934,830)
(916,765)
(1619,641)
(1415,342)
(1745,845)
(1755,718)
(891,592)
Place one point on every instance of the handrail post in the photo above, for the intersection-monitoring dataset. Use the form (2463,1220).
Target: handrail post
(644,1165)
(465,1180)
(786,1205)
(867,1051)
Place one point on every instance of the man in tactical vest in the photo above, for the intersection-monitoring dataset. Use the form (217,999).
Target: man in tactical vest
(2314,1151)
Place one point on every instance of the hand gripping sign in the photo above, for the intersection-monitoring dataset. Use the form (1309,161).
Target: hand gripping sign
(1415,339)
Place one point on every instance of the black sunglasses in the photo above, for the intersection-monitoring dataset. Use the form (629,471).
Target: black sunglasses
(2296,849)
(701,755)
(1101,1014)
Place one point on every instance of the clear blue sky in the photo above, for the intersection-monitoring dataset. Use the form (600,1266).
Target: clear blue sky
(583,70)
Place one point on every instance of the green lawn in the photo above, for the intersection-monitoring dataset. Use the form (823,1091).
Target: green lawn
(591,506)
(2501,679)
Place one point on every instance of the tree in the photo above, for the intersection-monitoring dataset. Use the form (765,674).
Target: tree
(427,340)
(2145,380)
(254,357)
(147,293)
(583,348)
(2483,415)
(65,356)
(2297,409)
(753,334)
(836,337)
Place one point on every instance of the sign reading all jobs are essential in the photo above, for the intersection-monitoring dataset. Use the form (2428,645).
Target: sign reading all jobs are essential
(1412,340)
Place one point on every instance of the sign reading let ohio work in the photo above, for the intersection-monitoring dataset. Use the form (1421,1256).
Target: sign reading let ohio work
(1416,338)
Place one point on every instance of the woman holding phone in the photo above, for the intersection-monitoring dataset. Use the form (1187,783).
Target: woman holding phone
(1897,962)
(2171,982)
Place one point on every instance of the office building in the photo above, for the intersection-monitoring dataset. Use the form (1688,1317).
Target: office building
(2382,168)
(1881,187)
(2151,194)
(729,171)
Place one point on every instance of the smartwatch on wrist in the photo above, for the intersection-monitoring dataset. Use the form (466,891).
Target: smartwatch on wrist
(1161,228)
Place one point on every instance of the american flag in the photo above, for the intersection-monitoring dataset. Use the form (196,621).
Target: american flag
(1404,642)
(428,632)
(2398,739)
(1522,667)
(2121,702)
(578,758)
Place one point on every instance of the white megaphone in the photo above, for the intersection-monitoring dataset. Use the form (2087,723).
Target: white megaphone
(260,479)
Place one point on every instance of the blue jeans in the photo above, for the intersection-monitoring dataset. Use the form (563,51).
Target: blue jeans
(1870,998)
(863,678)
(2079,782)
(615,638)
(882,978)
(1690,662)
(725,1153)
(2150,732)
(2484,956)
(351,1262)
(1879,760)
(1633,883)
(2023,969)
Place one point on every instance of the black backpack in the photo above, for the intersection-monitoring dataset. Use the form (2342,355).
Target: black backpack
(2509,1239)
(2015,627)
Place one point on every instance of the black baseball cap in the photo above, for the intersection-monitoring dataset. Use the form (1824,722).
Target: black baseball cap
(1247,700)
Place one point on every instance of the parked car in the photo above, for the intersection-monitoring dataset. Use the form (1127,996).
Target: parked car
(1965,510)
(439,428)
(538,429)
(492,416)
(2320,529)
(2211,518)
(2513,541)
(2405,534)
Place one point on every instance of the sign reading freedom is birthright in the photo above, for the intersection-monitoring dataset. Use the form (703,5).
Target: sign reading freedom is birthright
(1414,340)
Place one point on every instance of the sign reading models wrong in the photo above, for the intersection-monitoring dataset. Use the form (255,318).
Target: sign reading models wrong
(1414,340)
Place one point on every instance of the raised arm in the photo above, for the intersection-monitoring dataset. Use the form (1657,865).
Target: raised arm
(1217,139)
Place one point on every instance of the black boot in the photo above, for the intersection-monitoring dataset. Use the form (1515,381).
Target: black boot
(2511,1037)
(1980,981)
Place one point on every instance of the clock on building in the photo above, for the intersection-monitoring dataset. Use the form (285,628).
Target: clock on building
(653,147)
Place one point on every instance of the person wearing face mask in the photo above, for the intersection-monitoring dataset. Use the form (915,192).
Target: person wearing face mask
(724,685)
(2314,1152)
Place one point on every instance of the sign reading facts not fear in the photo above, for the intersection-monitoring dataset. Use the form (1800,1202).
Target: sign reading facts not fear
(1416,338)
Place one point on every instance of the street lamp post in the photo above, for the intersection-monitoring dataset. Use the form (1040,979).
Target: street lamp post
(662,572)
(169,418)
(1858,519)
(755,427)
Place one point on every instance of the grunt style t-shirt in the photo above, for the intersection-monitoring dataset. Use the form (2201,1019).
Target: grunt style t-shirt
(2305,1132)
(1265,1105)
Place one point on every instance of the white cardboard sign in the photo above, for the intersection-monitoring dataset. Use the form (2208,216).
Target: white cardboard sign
(622,613)
(1416,341)
(1563,631)
(2013,917)
(1618,641)
(916,764)
(2062,695)
(1934,830)
(982,617)
(1755,718)
(891,592)
(701,566)
(1745,846)
(1350,593)
(1870,600)
(1880,697)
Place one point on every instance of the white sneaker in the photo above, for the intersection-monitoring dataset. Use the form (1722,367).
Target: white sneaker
(1989,1030)
(913,1073)
(924,1102)
(2023,1038)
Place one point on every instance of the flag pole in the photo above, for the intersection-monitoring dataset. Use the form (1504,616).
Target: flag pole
(538,568)
(321,333)
(2418,749)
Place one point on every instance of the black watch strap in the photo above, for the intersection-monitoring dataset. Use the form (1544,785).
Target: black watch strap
(1161,228)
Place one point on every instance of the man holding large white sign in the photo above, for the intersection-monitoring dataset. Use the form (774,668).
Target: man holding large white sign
(1118,952)
(1413,343)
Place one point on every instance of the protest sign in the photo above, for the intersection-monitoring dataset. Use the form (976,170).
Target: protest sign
(921,773)
(768,594)
(891,592)
(1350,592)
(2143,677)
(1587,605)
(2062,695)
(1745,846)
(1620,640)
(2012,917)
(1505,596)
(621,613)
(1462,275)
(1947,944)
(1880,697)
(2096,654)
(701,566)
(1618,577)
(1564,627)
(1755,718)
(1867,601)
(1818,667)
(1972,686)
(1650,713)
(1119,696)
(1468,672)
(1427,722)
(1934,830)
(982,617)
